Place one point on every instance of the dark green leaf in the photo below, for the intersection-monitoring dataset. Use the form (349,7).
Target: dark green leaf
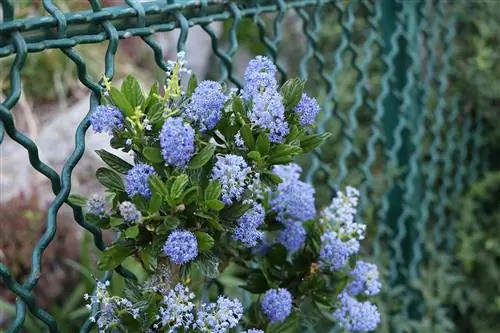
(291,325)
(205,241)
(132,231)
(116,221)
(149,257)
(277,255)
(114,162)
(155,112)
(153,154)
(284,154)
(247,136)
(215,204)
(78,200)
(178,186)
(97,221)
(114,256)
(211,219)
(208,266)
(190,195)
(169,223)
(192,84)
(254,155)
(155,203)
(294,134)
(157,185)
(292,92)
(132,91)
(202,157)
(110,179)
(212,192)
(263,144)
(151,97)
(256,282)
(238,107)
(313,141)
(271,177)
(121,102)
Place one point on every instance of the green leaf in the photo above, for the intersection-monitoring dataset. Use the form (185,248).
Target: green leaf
(211,219)
(97,221)
(212,192)
(113,256)
(121,102)
(148,257)
(277,255)
(78,200)
(238,107)
(254,155)
(311,142)
(263,144)
(151,97)
(208,266)
(157,185)
(291,325)
(155,112)
(132,91)
(190,195)
(132,231)
(153,154)
(271,177)
(169,223)
(292,92)
(178,186)
(247,136)
(215,204)
(155,203)
(205,241)
(202,157)
(192,84)
(116,221)
(256,282)
(114,162)
(110,179)
(284,154)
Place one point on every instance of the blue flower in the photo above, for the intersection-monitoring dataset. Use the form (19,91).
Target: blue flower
(246,230)
(238,140)
(335,253)
(307,109)
(260,76)
(181,246)
(268,113)
(177,142)
(96,205)
(277,304)
(207,104)
(231,171)
(106,119)
(293,236)
(356,316)
(129,212)
(177,312)
(253,330)
(293,200)
(137,180)
(219,317)
(366,280)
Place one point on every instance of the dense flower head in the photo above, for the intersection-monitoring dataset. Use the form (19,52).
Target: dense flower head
(177,312)
(260,76)
(246,230)
(366,279)
(231,172)
(181,246)
(96,205)
(293,200)
(307,109)
(335,253)
(177,142)
(129,212)
(137,180)
(268,113)
(356,316)
(206,106)
(253,330)
(342,210)
(238,140)
(277,304)
(106,118)
(219,317)
(293,236)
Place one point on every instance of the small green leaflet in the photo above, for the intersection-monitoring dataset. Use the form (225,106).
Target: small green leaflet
(114,162)
(110,179)
(202,157)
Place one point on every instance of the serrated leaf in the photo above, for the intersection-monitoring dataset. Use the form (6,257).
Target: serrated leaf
(202,157)
(132,231)
(208,266)
(211,219)
(110,179)
(78,200)
(151,97)
(254,155)
(205,241)
(263,144)
(121,102)
(169,223)
(114,162)
(247,136)
(132,91)
(157,185)
(271,177)
(192,84)
(292,92)
(215,204)
(116,221)
(178,186)
(155,112)
(313,141)
(212,192)
(153,154)
(113,256)
(155,203)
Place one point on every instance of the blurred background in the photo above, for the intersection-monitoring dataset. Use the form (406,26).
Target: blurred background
(410,90)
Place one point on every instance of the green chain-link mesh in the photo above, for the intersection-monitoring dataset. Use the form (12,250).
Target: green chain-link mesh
(399,132)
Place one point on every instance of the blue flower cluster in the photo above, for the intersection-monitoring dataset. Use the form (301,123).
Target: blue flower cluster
(177,142)
(253,330)
(277,304)
(246,230)
(307,109)
(335,253)
(268,112)
(259,77)
(137,180)
(206,106)
(293,236)
(96,205)
(129,212)
(356,316)
(219,317)
(106,119)
(177,312)
(181,246)
(231,172)
(366,279)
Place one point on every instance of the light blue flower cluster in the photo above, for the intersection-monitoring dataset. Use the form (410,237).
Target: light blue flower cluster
(268,112)
(335,253)
(206,106)
(106,119)
(293,236)
(96,205)
(259,77)
(231,172)
(307,109)
(129,212)
(177,142)
(366,279)
(356,316)
(253,330)
(137,180)
(277,304)
(177,312)
(246,230)
(181,246)
(219,317)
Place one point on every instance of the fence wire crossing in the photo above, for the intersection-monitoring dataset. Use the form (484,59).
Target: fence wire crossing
(381,70)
